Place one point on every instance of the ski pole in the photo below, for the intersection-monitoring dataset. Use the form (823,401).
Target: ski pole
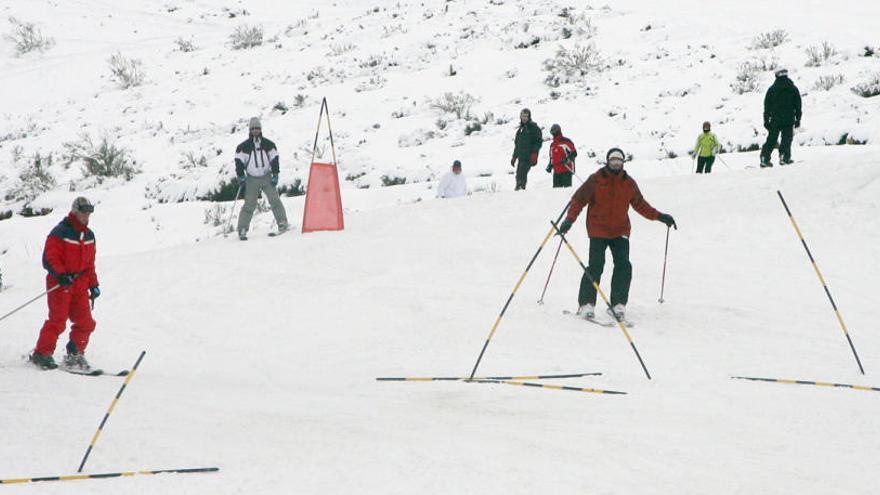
(665,254)
(74,477)
(822,281)
(457,378)
(786,381)
(110,410)
(552,265)
(29,302)
(602,294)
(513,293)
(232,212)
(554,387)
(718,156)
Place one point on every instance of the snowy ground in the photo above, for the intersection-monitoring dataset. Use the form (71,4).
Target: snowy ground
(262,356)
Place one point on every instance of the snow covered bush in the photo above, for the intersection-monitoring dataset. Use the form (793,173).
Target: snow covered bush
(574,63)
(393,180)
(417,137)
(125,71)
(578,25)
(100,160)
(818,55)
(246,36)
(27,37)
(458,104)
(746,79)
(825,83)
(770,39)
(295,188)
(185,45)
(33,180)
(869,87)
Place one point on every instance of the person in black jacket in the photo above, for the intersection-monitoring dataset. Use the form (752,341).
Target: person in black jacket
(782,112)
(527,144)
(256,165)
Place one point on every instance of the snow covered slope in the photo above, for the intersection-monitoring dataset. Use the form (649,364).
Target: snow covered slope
(262,355)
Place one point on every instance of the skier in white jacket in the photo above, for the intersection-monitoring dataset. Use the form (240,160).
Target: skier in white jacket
(453,184)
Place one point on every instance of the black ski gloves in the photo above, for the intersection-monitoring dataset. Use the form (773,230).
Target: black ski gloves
(668,220)
(64,279)
(564,227)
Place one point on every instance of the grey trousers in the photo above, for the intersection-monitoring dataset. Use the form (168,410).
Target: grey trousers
(252,188)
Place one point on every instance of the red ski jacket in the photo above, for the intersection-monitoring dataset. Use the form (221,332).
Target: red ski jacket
(560,149)
(70,248)
(609,196)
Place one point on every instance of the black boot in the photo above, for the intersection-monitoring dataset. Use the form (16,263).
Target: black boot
(75,360)
(46,362)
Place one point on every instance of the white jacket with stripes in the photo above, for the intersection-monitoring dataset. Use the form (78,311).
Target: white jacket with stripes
(257,157)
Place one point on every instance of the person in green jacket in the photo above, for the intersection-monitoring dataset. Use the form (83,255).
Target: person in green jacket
(706,149)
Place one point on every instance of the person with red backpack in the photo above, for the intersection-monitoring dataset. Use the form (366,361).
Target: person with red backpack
(609,193)
(69,259)
(562,155)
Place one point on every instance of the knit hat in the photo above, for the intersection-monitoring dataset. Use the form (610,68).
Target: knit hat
(555,130)
(254,123)
(782,73)
(456,163)
(706,125)
(615,154)
(82,205)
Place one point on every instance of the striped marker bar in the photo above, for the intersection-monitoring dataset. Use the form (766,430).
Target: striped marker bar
(110,410)
(455,378)
(604,298)
(124,474)
(554,387)
(863,388)
(513,292)
(822,281)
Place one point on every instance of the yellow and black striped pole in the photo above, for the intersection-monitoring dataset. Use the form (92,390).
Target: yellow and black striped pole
(454,378)
(110,410)
(513,293)
(553,387)
(604,298)
(74,477)
(786,381)
(822,281)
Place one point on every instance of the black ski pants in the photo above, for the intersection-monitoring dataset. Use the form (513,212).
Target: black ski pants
(522,171)
(772,138)
(704,164)
(620,278)
(562,179)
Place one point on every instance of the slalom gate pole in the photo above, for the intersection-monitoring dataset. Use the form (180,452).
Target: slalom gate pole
(808,382)
(455,378)
(554,387)
(604,298)
(665,254)
(110,410)
(122,474)
(325,110)
(822,281)
(553,265)
(232,213)
(513,293)
(16,310)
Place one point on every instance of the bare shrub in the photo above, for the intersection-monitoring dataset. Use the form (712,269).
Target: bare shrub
(868,88)
(27,37)
(34,179)
(818,55)
(458,104)
(127,72)
(185,45)
(569,64)
(246,36)
(769,39)
(100,160)
(825,83)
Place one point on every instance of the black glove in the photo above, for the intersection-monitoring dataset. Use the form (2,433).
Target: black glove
(64,279)
(549,168)
(94,292)
(797,123)
(767,125)
(513,162)
(564,227)
(668,220)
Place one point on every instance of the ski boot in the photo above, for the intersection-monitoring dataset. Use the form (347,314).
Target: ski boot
(46,362)
(242,235)
(75,360)
(618,312)
(765,162)
(587,312)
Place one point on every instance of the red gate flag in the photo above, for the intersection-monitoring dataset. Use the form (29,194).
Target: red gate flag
(323,209)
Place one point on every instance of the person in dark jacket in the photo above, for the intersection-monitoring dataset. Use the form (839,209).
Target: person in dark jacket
(256,165)
(562,156)
(69,260)
(782,114)
(609,192)
(527,144)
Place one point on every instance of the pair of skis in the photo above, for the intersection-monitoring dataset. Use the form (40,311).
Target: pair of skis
(626,323)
